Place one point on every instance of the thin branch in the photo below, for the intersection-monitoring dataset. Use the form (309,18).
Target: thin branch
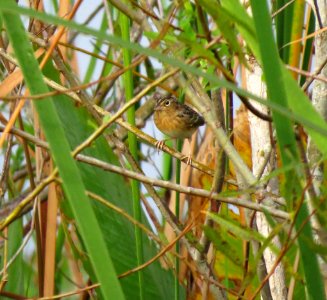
(158,182)
(125,215)
(64,295)
(183,189)
(29,198)
(25,241)
(71,92)
(311,76)
(263,166)
(318,14)
(12,295)
(6,166)
(275,13)
(86,22)
(161,253)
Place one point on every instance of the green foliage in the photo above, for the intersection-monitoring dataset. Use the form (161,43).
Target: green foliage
(72,180)
(277,89)
(96,244)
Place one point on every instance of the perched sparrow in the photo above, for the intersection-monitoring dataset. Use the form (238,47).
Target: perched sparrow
(176,120)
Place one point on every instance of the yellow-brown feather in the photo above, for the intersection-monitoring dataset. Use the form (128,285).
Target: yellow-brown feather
(170,124)
(175,119)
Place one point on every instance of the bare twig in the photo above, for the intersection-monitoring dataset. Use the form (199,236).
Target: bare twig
(204,105)
(125,215)
(311,78)
(64,295)
(30,197)
(161,253)
(25,241)
(160,183)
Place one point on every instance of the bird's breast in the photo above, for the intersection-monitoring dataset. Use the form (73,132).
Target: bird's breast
(172,126)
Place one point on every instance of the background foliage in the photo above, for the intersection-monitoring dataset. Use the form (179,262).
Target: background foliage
(89,209)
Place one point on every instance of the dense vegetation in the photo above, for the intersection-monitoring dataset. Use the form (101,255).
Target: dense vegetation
(89,209)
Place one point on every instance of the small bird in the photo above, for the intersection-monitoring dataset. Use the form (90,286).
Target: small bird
(176,120)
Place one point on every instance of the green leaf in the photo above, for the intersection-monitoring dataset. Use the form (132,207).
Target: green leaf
(227,245)
(282,89)
(225,24)
(60,150)
(301,105)
(117,231)
(15,276)
(133,148)
(234,227)
(243,23)
(284,20)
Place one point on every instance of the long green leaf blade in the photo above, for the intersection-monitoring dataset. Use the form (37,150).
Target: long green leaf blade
(133,147)
(72,181)
(277,90)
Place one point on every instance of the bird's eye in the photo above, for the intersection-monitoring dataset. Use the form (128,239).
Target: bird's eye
(167,103)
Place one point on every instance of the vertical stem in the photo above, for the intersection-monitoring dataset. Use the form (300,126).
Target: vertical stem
(307,44)
(229,107)
(133,147)
(50,241)
(38,227)
(296,33)
(177,212)
(261,143)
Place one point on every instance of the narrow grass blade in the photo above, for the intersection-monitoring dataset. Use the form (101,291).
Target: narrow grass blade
(72,181)
(133,147)
(15,275)
(277,81)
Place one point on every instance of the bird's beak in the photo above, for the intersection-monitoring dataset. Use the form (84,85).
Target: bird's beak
(157,107)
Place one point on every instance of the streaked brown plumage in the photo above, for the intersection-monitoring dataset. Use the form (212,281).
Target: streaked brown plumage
(175,119)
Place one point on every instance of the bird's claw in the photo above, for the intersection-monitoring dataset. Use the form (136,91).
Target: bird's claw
(188,159)
(159,145)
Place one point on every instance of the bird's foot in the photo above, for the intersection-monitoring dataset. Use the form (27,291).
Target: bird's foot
(188,159)
(159,145)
